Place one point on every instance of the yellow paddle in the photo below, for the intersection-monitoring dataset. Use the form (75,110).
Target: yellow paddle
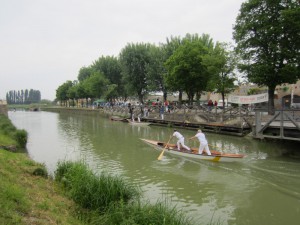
(162,153)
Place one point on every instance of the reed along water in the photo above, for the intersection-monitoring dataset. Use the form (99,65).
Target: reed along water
(264,188)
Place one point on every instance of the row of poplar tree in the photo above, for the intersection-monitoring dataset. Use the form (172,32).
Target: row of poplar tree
(23,96)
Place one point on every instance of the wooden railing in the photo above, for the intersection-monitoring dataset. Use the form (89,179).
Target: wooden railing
(284,124)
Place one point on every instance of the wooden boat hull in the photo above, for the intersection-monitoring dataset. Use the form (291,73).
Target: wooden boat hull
(138,123)
(117,118)
(215,157)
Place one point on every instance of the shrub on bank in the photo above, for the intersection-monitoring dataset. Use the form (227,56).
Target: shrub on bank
(9,135)
(142,214)
(95,192)
(21,138)
(111,200)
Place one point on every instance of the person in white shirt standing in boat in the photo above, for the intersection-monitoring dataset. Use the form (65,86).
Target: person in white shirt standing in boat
(203,142)
(180,140)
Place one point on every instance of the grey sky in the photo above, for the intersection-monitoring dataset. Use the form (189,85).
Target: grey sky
(44,43)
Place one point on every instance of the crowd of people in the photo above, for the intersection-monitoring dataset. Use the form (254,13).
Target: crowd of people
(141,110)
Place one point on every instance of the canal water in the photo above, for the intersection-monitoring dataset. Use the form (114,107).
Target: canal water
(262,189)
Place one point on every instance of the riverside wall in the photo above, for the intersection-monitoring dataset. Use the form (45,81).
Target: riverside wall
(3,108)
(180,118)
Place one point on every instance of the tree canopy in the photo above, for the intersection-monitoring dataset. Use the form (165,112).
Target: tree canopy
(134,59)
(23,96)
(267,34)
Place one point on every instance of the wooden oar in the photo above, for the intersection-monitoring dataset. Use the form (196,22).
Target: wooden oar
(162,153)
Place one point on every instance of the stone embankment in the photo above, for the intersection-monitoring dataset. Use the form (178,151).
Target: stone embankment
(215,120)
(3,107)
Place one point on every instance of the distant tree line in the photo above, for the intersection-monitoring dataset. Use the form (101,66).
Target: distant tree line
(267,53)
(191,64)
(23,96)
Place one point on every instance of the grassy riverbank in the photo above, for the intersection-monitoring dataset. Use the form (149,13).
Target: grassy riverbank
(76,196)
(111,201)
(27,195)
(79,197)
(26,198)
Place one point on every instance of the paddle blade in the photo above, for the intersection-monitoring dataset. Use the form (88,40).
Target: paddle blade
(161,155)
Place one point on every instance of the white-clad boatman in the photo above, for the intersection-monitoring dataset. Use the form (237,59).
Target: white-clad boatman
(180,140)
(203,142)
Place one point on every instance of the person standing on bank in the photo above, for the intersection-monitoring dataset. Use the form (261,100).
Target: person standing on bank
(180,140)
(203,142)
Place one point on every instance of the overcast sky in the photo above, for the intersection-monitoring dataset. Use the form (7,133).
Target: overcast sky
(44,43)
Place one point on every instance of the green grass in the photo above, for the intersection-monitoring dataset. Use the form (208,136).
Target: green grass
(9,135)
(30,199)
(94,192)
(27,195)
(110,200)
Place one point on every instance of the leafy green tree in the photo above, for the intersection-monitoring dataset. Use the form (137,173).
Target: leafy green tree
(84,73)
(62,92)
(72,92)
(156,70)
(21,97)
(134,59)
(186,68)
(81,92)
(96,85)
(110,67)
(168,48)
(221,64)
(267,35)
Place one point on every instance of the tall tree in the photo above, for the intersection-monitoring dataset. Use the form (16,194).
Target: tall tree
(110,67)
(96,85)
(169,48)
(156,70)
(62,92)
(267,34)
(221,64)
(134,59)
(84,73)
(186,68)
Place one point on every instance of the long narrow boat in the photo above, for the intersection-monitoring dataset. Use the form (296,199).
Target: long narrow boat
(138,123)
(215,157)
(117,118)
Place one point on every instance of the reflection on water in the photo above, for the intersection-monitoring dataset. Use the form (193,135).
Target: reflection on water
(262,189)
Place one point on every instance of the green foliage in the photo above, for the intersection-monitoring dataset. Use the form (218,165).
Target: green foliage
(62,91)
(27,199)
(95,192)
(96,85)
(111,200)
(40,171)
(160,213)
(134,59)
(110,67)
(221,63)
(186,70)
(13,200)
(84,73)
(9,135)
(23,97)
(21,137)
(267,36)
(156,69)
